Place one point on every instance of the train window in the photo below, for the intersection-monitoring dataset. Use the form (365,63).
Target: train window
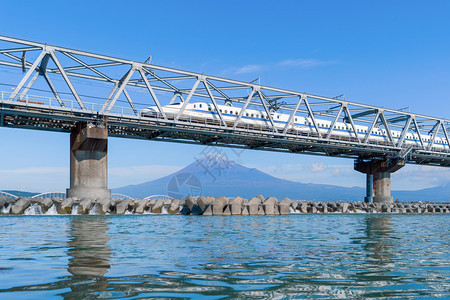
(295,119)
(200,106)
(220,110)
(209,108)
(236,113)
(278,117)
(252,115)
(246,114)
(226,111)
(194,105)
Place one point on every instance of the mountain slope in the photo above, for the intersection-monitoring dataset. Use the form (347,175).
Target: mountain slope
(216,176)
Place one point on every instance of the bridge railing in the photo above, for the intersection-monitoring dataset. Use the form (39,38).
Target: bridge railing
(5,194)
(120,196)
(50,195)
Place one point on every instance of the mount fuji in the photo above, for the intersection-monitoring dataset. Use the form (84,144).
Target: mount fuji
(215,175)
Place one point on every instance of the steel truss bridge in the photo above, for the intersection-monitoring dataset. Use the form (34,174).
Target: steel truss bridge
(54,88)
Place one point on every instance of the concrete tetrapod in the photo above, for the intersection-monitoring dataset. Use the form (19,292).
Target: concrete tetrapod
(20,205)
(219,205)
(236,206)
(270,206)
(122,206)
(65,207)
(284,205)
(253,206)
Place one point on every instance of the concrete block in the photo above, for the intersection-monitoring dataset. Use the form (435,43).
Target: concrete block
(283,209)
(84,206)
(190,202)
(208,211)
(270,206)
(185,210)
(157,207)
(227,211)
(236,205)
(219,205)
(142,205)
(122,206)
(260,211)
(174,207)
(203,202)
(20,205)
(304,207)
(65,207)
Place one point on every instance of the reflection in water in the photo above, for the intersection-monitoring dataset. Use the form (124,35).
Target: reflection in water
(378,243)
(89,256)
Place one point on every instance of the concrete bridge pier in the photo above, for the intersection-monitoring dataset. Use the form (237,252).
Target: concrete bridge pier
(369,188)
(378,183)
(88,162)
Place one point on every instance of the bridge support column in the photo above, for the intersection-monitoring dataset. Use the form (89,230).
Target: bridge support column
(88,162)
(380,172)
(369,188)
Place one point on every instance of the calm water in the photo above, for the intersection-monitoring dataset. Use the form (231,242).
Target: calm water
(171,256)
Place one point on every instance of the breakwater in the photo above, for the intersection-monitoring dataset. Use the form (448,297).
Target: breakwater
(207,206)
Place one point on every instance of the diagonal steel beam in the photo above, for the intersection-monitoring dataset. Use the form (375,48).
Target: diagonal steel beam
(418,133)
(21,60)
(263,98)
(369,132)
(130,101)
(152,93)
(349,116)
(333,124)
(243,108)
(122,85)
(404,131)
(108,99)
(446,135)
(218,90)
(87,66)
(27,76)
(161,79)
(388,130)
(52,88)
(311,115)
(292,116)
(29,85)
(66,79)
(214,103)
(185,103)
(436,130)
(72,68)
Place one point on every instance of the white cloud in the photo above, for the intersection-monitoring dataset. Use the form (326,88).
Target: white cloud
(305,63)
(35,170)
(317,167)
(123,176)
(247,69)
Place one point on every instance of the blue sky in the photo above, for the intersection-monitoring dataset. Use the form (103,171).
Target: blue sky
(388,53)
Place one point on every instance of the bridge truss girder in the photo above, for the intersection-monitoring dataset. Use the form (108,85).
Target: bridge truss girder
(126,87)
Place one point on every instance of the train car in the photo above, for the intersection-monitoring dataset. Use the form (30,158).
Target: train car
(258,119)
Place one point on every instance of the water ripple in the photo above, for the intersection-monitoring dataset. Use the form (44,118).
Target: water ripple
(297,256)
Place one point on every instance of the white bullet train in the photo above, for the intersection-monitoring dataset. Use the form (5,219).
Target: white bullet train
(202,111)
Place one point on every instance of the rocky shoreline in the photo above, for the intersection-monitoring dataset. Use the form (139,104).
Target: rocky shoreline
(207,206)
